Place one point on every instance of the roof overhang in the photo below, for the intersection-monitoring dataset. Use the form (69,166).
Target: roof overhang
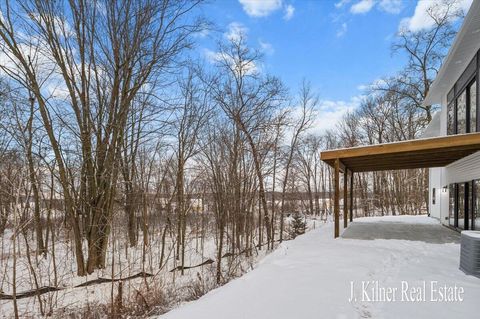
(420,153)
(463,49)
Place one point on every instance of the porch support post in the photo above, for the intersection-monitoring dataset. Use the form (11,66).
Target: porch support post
(351,196)
(336,197)
(345,198)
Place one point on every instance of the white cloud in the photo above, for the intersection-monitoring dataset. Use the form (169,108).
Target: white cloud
(61,24)
(289,11)
(375,84)
(363,6)
(343,29)
(52,83)
(212,56)
(391,6)
(331,112)
(341,3)
(235,30)
(223,59)
(266,47)
(363,87)
(57,89)
(260,8)
(421,19)
(202,34)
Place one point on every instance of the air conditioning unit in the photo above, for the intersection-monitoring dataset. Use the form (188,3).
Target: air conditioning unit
(470,252)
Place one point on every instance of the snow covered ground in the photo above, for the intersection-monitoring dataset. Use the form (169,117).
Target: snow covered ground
(312,276)
(164,290)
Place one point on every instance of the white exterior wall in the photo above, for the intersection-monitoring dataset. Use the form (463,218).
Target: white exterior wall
(438,180)
(463,170)
(437,177)
(435,182)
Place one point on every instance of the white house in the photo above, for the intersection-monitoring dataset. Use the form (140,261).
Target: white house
(455,189)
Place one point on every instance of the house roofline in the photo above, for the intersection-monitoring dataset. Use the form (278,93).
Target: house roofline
(462,51)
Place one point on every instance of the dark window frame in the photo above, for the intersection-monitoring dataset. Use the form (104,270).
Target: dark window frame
(469,75)
(467,106)
(467,200)
(452,105)
(467,89)
(475,209)
(455,205)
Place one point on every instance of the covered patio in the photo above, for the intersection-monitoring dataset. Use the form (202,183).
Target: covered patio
(411,154)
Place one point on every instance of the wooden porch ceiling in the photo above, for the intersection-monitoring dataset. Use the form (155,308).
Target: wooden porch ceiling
(420,153)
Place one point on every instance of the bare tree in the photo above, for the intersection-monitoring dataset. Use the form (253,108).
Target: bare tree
(103,56)
(249,99)
(191,114)
(308,102)
(425,49)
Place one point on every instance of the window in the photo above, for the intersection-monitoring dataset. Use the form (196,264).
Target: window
(452,191)
(473,106)
(433,196)
(463,109)
(461,206)
(476,205)
(451,119)
(462,113)
(468,204)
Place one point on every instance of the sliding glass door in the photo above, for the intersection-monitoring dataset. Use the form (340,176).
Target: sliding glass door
(464,205)
(461,205)
(452,204)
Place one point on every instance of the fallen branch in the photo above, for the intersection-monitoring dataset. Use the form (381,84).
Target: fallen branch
(30,293)
(104,280)
(206,262)
(45,289)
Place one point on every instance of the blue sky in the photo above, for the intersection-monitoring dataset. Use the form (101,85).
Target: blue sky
(338,45)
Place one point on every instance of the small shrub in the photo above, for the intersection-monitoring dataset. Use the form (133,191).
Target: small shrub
(297,226)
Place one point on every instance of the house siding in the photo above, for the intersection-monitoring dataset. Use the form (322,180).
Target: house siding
(464,170)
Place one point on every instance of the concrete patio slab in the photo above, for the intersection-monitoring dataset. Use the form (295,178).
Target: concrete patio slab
(433,234)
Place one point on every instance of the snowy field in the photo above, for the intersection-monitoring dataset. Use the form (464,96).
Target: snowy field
(312,276)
